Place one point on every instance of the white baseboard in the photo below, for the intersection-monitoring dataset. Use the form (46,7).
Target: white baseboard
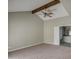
(48,43)
(25,46)
(51,43)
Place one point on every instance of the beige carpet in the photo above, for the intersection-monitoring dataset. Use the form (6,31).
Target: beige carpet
(42,51)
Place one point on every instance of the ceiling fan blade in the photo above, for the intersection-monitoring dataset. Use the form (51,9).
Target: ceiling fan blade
(46,14)
(50,15)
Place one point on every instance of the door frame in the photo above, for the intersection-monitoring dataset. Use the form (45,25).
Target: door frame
(57,34)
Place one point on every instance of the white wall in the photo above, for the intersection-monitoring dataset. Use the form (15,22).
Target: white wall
(25,29)
(64,21)
(49,27)
(56,40)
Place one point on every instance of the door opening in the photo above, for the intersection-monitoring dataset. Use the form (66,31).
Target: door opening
(62,36)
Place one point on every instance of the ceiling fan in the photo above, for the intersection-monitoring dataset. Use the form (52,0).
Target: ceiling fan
(47,13)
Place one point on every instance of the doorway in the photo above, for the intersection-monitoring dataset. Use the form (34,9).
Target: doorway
(62,36)
(65,36)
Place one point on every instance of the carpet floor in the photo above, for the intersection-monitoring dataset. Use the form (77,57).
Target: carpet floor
(42,51)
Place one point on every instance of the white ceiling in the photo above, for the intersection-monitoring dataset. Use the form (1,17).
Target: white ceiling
(25,5)
(57,10)
(29,5)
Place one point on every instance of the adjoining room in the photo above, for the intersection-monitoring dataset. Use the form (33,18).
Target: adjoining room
(65,36)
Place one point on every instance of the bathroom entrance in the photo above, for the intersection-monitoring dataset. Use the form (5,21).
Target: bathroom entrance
(65,36)
(62,36)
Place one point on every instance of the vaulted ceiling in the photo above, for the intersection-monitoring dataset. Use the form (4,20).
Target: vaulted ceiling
(25,5)
(30,5)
